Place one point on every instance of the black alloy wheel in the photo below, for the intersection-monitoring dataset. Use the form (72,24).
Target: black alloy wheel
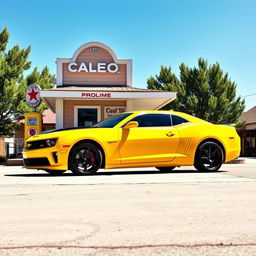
(166,169)
(209,157)
(85,159)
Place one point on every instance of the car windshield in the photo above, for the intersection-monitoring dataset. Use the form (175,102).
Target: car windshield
(111,121)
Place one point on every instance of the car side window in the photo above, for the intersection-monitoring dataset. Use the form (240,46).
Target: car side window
(176,120)
(153,120)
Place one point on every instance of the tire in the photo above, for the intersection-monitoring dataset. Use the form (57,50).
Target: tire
(55,172)
(166,169)
(85,159)
(209,157)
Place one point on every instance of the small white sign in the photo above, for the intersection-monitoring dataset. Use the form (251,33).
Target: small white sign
(33,98)
(32,121)
(113,110)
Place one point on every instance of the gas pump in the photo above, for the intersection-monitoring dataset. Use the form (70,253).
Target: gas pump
(33,120)
(33,124)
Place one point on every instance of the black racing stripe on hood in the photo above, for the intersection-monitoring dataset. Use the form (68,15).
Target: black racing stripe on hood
(64,129)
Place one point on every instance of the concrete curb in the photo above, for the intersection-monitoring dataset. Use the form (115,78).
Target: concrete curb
(243,160)
(237,161)
(14,162)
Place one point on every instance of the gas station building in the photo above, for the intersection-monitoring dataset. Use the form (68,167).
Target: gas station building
(94,84)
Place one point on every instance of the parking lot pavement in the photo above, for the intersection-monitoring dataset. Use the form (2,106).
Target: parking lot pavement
(129,212)
(229,173)
(241,170)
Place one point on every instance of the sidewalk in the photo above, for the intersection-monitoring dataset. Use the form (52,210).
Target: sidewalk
(248,160)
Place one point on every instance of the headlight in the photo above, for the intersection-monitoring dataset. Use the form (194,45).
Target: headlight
(41,143)
(50,142)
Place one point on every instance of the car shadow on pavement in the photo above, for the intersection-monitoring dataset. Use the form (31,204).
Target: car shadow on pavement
(108,173)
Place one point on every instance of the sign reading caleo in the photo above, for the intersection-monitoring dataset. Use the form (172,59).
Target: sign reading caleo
(33,95)
(99,67)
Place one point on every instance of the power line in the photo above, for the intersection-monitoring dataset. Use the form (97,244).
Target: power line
(249,95)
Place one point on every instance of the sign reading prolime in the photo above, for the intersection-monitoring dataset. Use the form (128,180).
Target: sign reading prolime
(33,95)
(96,94)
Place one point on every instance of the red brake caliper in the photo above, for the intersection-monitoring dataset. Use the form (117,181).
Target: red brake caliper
(92,158)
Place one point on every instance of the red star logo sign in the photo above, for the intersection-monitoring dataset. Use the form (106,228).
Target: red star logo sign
(32,95)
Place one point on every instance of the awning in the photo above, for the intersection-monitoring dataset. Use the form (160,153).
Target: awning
(137,98)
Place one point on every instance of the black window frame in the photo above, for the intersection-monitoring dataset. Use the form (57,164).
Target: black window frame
(126,114)
(171,124)
(179,117)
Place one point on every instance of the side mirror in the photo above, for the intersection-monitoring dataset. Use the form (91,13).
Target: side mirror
(132,124)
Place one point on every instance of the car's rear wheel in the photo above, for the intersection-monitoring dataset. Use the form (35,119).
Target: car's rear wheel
(55,172)
(209,157)
(166,169)
(85,159)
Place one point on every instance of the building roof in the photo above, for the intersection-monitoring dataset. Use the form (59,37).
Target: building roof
(102,88)
(139,98)
(249,116)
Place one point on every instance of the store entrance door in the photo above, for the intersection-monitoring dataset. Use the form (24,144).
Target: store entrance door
(86,117)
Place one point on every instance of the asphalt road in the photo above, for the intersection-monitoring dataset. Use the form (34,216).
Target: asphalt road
(129,212)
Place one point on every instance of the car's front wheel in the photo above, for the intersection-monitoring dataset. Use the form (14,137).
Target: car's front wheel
(85,158)
(209,157)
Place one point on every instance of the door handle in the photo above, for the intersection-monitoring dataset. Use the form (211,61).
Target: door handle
(170,134)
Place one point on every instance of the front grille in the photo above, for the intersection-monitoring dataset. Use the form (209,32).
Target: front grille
(43,161)
(36,144)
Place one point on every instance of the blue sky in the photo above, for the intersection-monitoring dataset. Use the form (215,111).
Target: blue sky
(152,33)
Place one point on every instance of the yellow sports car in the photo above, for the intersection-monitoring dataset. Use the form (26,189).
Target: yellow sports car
(161,139)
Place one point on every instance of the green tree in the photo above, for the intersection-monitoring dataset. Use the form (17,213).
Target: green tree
(13,63)
(204,91)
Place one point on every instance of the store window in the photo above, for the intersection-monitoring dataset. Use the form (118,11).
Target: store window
(86,116)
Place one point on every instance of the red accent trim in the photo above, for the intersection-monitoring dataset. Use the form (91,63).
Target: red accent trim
(66,146)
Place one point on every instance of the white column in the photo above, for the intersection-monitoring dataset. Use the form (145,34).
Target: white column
(59,72)
(59,113)
(129,105)
(129,73)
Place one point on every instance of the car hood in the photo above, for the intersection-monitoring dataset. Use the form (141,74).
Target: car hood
(65,129)
(59,133)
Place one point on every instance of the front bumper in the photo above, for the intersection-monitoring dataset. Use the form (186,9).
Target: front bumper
(52,158)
